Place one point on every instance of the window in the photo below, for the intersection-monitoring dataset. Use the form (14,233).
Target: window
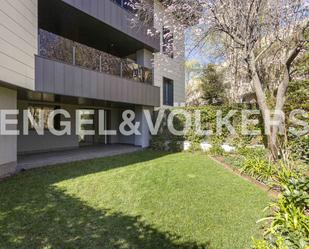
(168,42)
(46,110)
(168,92)
(126,4)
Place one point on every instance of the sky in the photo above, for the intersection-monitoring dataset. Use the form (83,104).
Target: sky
(202,54)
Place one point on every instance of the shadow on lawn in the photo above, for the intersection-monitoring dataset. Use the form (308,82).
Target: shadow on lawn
(36,214)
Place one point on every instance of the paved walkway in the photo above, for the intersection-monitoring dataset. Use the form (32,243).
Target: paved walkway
(84,153)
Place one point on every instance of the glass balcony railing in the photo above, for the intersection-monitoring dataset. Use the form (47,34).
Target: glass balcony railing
(59,48)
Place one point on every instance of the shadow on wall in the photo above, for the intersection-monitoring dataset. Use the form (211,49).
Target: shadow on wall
(34,213)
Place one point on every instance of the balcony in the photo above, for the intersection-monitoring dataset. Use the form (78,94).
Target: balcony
(71,68)
(58,48)
(109,19)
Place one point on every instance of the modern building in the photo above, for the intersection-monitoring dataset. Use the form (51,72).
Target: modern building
(82,54)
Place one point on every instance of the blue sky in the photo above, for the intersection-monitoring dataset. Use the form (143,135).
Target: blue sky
(201,54)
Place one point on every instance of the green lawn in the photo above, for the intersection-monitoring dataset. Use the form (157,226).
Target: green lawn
(146,200)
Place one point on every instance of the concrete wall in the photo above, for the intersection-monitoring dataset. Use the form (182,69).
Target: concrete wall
(8,157)
(164,66)
(18,41)
(34,143)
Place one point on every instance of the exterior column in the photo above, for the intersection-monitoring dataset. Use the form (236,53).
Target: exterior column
(8,143)
(144,57)
(142,140)
(115,120)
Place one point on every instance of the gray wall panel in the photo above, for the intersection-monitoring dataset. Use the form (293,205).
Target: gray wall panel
(78,82)
(18,42)
(60,78)
(49,76)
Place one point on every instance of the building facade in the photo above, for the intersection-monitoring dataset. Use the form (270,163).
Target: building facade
(78,54)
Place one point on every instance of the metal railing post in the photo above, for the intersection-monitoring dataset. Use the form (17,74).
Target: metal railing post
(121,68)
(100,63)
(74,55)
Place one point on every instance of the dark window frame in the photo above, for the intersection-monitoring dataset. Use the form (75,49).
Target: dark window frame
(168,92)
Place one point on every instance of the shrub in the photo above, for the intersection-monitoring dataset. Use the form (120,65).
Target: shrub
(297,191)
(175,146)
(299,147)
(195,146)
(252,152)
(258,168)
(216,150)
(289,227)
(157,143)
(283,174)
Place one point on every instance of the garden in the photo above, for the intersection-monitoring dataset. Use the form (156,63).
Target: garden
(149,199)
(285,224)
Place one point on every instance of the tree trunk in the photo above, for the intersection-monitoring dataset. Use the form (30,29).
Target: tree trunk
(270,132)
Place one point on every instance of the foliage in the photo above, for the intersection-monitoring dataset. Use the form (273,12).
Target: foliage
(299,147)
(208,118)
(297,98)
(283,173)
(195,147)
(216,151)
(175,146)
(298,90)
(296,191)
(258,168)
(213,89)
(297,95)
(289,227)
(252,152)
(158,143)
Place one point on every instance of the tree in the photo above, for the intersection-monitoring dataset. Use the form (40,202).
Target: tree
(266,35)
(213,90)
(190,67)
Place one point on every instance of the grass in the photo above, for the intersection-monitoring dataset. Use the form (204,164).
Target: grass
(145,200)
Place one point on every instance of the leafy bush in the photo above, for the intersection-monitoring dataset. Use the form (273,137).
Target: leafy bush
(195,147)
(258,168)
(216,151)
(157,143)
(283,174)
(175,146)
(252,152)
(297,191)
(289,227)
(299,147)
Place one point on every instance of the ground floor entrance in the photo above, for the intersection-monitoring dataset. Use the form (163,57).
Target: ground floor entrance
(33,149)
(92,119)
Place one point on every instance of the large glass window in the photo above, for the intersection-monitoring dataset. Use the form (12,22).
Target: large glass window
(45,110)
(168,92)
